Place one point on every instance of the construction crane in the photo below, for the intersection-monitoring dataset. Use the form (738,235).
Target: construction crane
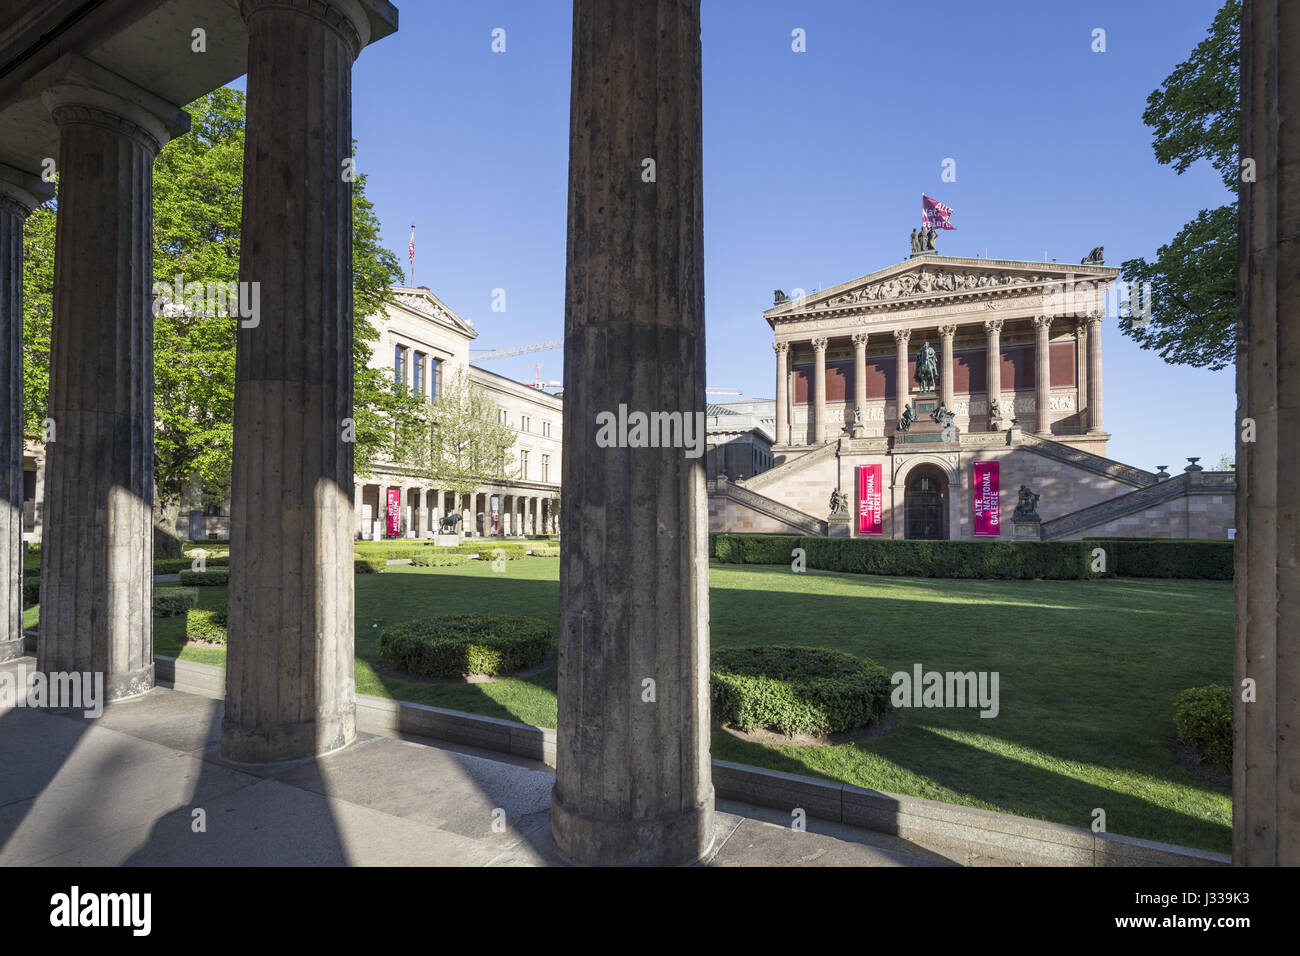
(519,350)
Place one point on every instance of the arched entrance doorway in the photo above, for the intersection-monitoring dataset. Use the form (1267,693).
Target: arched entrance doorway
(925,504)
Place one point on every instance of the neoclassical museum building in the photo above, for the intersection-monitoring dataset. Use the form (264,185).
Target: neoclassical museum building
(1008,407)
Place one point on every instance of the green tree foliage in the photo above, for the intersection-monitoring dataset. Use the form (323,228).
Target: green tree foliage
(1195,115)
(457,441)
(198,192)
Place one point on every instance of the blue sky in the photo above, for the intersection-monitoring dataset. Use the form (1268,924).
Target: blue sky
(814,164)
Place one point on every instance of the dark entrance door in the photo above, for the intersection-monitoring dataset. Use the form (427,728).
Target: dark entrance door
(926,509)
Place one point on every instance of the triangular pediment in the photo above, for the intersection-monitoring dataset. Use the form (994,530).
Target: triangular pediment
(941,278)
(423,302)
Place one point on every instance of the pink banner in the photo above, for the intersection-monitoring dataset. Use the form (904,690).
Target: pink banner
(870,507)
(394,512)
(988,510)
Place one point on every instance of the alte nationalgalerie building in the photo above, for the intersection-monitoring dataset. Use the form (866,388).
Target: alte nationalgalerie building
(1014,376)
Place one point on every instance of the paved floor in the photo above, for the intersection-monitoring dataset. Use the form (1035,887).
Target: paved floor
(143,785)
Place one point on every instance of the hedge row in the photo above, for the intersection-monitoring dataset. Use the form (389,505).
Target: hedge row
(220,577)
(369,565)
(31,590)
(455,645)
(174,602)
(173,565)
(439,560)
(1062,560)
(794,690)
(505,554)
(544,551)
(207,626)
(1203,719)
(1167,557)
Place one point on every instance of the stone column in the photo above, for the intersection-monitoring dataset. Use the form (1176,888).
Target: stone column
(1081,371)
(38,506)
(819,390)
(782,402)
(1094,372)
(1042,375)
(993,370)
(97,549)
(1266,745)
(902,381)
(20,193)
(860,375)
(946,394)
(633,776)
(358,506)
(289,679)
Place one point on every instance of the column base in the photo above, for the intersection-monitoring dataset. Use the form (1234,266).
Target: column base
(677,839)
(127,684)
(11,650)
(282,742)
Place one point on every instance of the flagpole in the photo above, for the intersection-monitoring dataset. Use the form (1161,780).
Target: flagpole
(412,255)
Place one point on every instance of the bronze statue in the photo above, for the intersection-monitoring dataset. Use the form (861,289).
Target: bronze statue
(1028,506)
(450,523)
(927,368)
(839,502)
(905,422)
(778,297)
(942,416)
(1094,258)
(916,242)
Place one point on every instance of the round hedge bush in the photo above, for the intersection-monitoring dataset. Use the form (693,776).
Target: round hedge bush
(458,645)
(1203,719)
(792,690)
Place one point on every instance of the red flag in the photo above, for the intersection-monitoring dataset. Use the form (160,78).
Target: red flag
(934,214)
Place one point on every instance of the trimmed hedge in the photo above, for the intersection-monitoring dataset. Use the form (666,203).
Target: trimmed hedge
(1167,557)
(369,565)
(794,690)
(174,602)
(480,544)
(545,551)
(31,591)
(207,626)
(202,579)
(1058,560)
(439,560)
(173,565)
(387,552)
(455,645)
(1203,719)
(491,554)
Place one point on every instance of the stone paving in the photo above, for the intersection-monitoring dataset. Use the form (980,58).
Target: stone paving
(123,790)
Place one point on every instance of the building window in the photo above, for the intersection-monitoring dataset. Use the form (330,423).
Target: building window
(546,429)
(502,419)
(435,376)
(546,468)
(417,370)
(523,423)
(399,365)
(523,465)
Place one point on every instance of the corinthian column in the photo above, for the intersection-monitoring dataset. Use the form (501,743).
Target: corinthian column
(946,333)
(860,374)
(289,685)
(632,773)
(993,370)
(1094,372)
(903,386)
(97,547)
(1042,375)
(782,386)
(1266,685)
(819,390)
(20,193)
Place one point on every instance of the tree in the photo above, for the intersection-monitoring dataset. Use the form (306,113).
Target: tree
(197,199)
(457,441)
(1195,115)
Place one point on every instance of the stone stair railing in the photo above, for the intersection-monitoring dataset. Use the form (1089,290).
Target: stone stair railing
(765,479)
(1117,507)
(1097,464)
(768,506)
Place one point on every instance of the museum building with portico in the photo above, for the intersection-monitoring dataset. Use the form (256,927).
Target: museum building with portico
(1006,401)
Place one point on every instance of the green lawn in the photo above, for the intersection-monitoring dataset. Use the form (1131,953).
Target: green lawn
(1088,673)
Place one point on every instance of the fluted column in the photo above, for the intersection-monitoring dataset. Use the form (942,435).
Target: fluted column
(1094,373)
(289,684)
(1081,371)
(20,193)
(946,333)
(633,777)
(819,390)
(860,374)
(97,548)
(1042,375)
(993,370)
(782,387)
(903,381)
(1266,684)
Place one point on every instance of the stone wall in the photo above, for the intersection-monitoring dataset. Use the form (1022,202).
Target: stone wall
(1190,516)
(728,515)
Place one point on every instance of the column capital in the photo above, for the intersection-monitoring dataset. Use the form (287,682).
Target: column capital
(1092,319)
(1042,322)
(902,335)
(993,326)
(860,339)
(819,345)
(22,191)
(947,331)
(780,347)
(1081,327)
(79,92)
(347,18)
